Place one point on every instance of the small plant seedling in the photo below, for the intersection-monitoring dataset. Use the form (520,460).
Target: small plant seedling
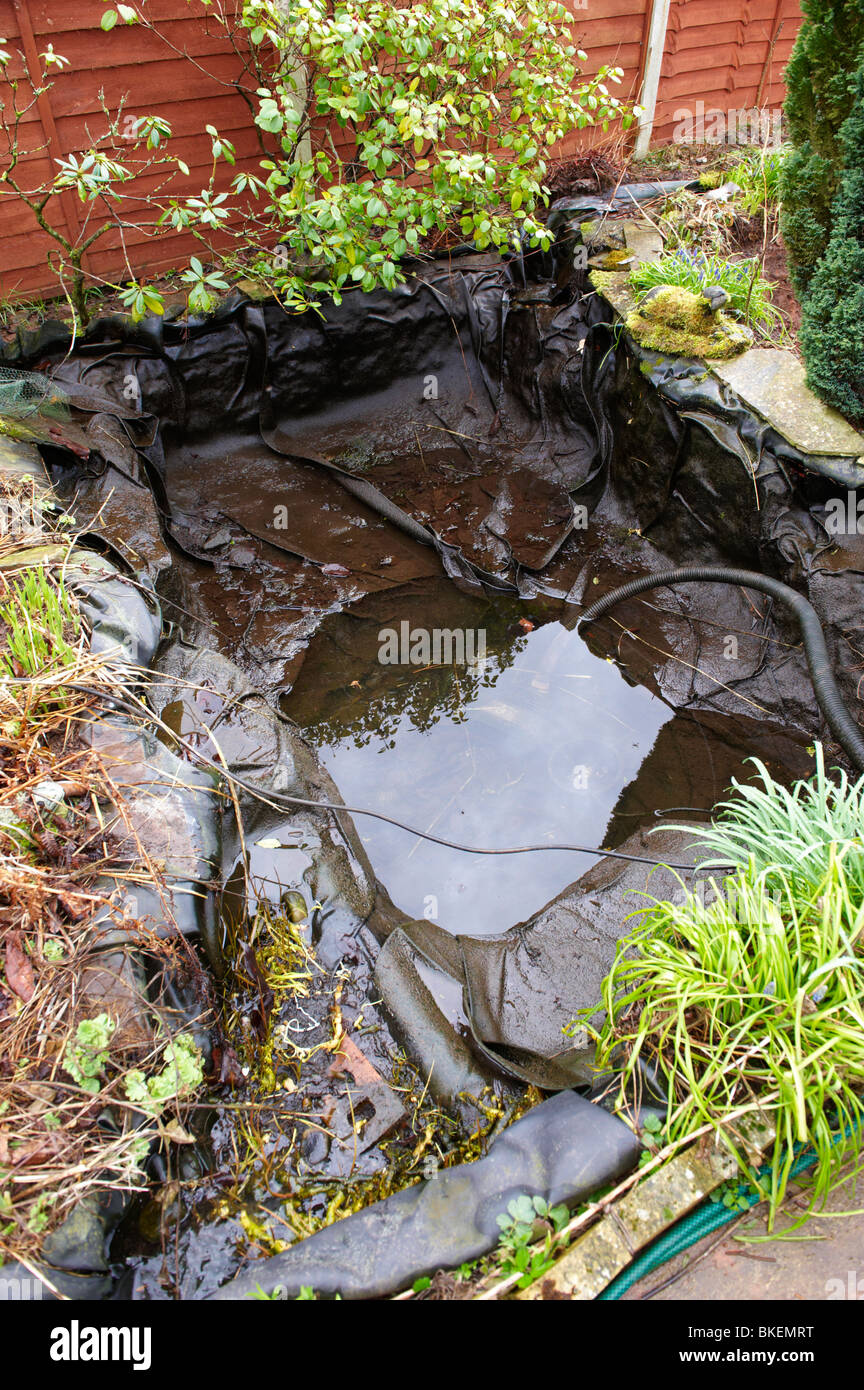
(86,1056)
(517,1226)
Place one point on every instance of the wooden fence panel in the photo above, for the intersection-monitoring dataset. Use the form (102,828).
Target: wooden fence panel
(728,56)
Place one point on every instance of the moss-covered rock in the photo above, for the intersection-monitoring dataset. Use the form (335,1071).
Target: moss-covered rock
(604,235)
(617,259)
(674,320)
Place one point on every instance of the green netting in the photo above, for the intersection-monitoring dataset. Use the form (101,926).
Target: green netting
(30,393)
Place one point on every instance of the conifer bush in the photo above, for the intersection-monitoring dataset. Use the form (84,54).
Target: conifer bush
(832,317)
(820,81)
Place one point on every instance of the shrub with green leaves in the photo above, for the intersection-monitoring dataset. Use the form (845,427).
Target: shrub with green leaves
(400,121)
(204,286)
(832,313)
(749,1000)
(100,176)
(820,81)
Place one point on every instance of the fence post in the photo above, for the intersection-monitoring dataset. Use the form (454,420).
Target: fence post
(651,80)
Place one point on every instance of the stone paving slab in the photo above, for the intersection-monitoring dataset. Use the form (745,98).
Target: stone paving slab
(822,1261)
(772,382)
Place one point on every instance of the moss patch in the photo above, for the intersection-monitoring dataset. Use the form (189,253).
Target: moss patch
(615,258)
(676,321)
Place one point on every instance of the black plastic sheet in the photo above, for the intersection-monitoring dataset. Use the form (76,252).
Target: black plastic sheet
(552,408)
(563,1150)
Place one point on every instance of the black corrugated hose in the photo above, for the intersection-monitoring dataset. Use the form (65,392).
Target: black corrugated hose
(838,718)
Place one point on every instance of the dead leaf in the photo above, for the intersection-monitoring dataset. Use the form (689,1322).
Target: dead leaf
(175,1132)
(19,971)
(350,1058)
(226,1065)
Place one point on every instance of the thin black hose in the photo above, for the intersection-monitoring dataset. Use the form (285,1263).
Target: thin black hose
(838,718)
(142,710)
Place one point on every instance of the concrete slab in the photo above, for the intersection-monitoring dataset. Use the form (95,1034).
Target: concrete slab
(824,1260)
(643,240)
(614,287)
(20,459)
(772,382)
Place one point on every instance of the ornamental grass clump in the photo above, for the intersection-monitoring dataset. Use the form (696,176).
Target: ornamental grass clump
(758,176)
(749,998)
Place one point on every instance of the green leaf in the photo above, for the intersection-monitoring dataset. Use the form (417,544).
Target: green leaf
(109,19)
(153,301)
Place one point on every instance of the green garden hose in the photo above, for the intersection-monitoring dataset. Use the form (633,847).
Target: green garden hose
(699,1223)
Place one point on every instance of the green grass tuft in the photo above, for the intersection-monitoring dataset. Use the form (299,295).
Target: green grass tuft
(749,998)
(758,177)
(42,629)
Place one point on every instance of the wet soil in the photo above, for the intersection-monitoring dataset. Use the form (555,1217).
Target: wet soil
(749,238)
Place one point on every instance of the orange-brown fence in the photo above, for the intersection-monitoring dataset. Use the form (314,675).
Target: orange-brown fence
(727,54)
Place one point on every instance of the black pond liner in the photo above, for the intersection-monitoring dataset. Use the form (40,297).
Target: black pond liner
(542,403)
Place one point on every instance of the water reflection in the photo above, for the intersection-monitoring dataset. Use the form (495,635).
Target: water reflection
(533,746)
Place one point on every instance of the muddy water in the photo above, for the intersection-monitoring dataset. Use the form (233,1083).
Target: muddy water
(541,742)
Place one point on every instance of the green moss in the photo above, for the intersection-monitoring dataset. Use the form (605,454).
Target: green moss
(16,429)
(676,321)
(614,258)
(711,178)
(603,280)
